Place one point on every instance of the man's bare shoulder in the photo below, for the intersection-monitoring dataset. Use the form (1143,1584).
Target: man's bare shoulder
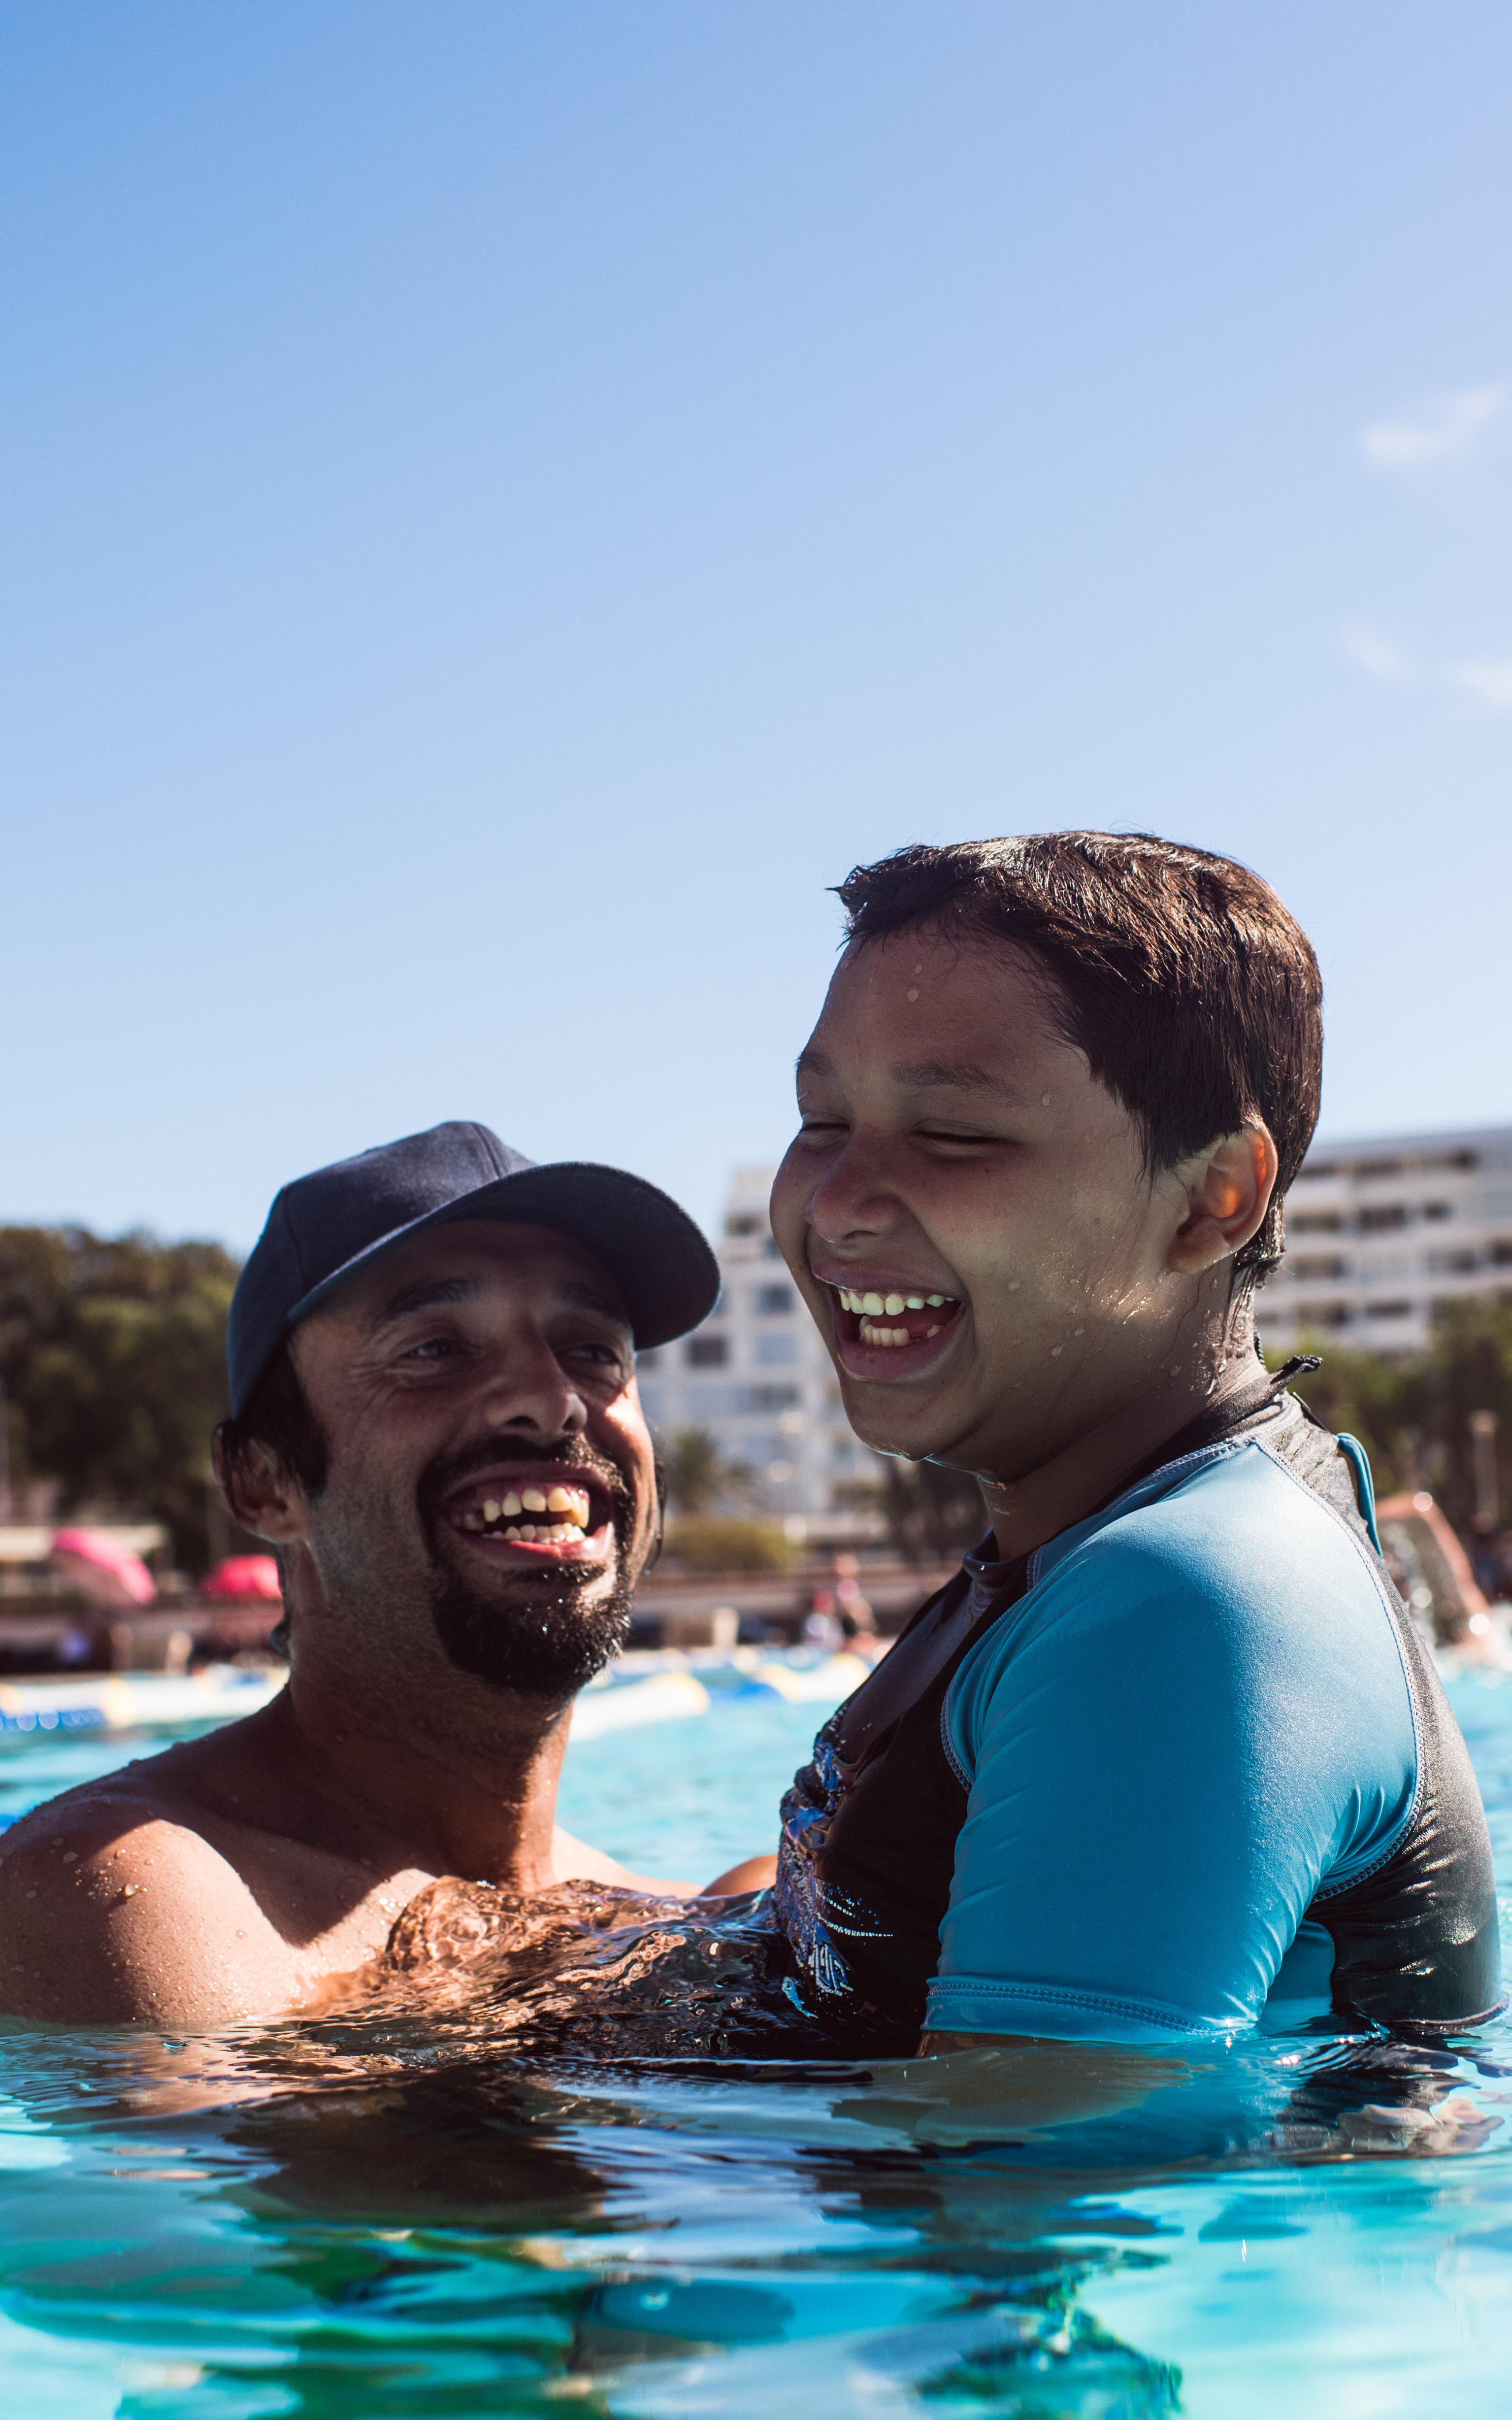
(117,1909)
(118,1906)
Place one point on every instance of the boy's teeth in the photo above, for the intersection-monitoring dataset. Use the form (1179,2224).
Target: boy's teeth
(532,1499)
(511,1505)
(879,1306)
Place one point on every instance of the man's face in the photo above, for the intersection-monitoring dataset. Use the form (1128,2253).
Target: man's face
(967,1213)
(491,1475)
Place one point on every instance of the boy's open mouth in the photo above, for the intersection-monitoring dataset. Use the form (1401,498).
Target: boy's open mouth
(538,1506)
(891,1320)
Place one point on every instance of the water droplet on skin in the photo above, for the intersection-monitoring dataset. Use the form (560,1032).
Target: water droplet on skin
(1014,1284)
(1078,1332)
(1044,1100)
(1056,1352)
(913,993)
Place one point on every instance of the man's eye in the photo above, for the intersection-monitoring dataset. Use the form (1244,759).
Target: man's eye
(814,1125)
(434,1348)
(609,1354)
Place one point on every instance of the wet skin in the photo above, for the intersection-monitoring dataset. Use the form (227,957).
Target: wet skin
(238,1875)
(954,1144)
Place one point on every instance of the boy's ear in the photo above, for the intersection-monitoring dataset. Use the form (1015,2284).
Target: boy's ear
(1229,1187)
(258,1491)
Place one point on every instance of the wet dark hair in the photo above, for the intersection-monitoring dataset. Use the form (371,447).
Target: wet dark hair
(1193,992)
(278,1419)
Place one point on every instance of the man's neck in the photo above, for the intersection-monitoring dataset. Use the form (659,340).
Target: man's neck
(474,1799)
(1027,1512)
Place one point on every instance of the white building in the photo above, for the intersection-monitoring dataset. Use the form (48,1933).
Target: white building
(1381,1233)
(756,1377)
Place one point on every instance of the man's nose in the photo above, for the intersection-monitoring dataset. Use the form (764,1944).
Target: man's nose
(525,1388)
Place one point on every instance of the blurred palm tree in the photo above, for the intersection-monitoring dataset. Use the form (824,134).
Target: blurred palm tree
(697,1475)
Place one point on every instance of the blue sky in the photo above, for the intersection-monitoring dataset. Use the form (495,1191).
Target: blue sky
(502,505)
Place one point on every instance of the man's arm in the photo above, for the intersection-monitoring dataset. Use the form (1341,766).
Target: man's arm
(112,1915)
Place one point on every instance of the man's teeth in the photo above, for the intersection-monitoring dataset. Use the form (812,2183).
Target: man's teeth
(887,1306)
(570,1504)
(873,1335)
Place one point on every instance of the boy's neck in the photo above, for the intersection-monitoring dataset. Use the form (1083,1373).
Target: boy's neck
(1028,1511)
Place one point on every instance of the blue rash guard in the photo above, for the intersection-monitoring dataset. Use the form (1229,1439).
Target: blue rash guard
(1185,1770)
(1196,1719)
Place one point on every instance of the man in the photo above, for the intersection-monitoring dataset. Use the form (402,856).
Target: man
(435,1421)
(1167,1757)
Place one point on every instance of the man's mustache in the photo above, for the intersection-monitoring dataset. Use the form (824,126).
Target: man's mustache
(447,1471)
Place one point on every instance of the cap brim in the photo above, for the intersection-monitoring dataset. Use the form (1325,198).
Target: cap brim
(657,1257)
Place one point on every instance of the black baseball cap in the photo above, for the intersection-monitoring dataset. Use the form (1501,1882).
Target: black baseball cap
(324,1227)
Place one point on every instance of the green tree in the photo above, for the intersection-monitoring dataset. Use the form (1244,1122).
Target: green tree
(697,1476)
(1411,1414)
(933,1514)
(113,1354)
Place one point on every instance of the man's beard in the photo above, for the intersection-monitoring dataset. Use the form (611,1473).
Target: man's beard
(544,1640)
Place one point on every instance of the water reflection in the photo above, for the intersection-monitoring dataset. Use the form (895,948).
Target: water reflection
(386,2213)
(352,2218)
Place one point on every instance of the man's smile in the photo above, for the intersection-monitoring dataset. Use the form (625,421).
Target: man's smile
(522,1513)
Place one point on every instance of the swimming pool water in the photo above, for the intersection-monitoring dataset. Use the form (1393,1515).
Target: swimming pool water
(344,2222)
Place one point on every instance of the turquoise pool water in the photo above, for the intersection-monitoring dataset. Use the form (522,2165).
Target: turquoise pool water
(341,2223)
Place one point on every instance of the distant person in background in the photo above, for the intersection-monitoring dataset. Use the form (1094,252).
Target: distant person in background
(435,1423)
(1167,1757)
(839,1615)
(852,1609)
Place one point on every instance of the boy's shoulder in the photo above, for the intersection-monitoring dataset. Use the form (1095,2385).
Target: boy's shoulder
(1237,1513)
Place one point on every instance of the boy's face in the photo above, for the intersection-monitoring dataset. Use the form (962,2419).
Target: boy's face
(968,1214)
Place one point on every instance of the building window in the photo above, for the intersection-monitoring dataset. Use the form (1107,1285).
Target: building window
(745,1222)
(1437,1209)
(650,1360)
(1313,1223)
(1388,1311)
(707,1352)
(1378,1216)
(1322,1314)
(776,1301)
(775,1348)
(1316,1266)
(774,1399)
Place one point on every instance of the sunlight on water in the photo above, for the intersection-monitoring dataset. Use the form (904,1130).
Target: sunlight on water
(366,2218)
